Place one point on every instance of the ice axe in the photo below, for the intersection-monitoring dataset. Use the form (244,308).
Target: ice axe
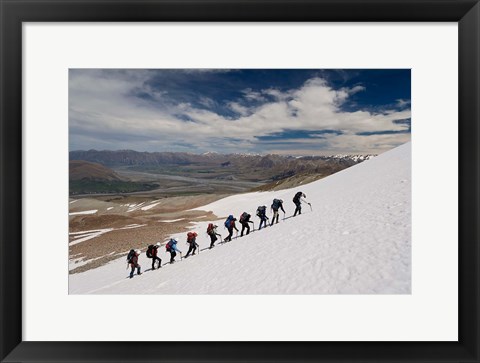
(311,209)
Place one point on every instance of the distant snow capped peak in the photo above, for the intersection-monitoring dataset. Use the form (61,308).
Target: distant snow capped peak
(356,158)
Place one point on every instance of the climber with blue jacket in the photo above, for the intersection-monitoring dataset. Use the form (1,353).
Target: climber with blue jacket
(171,247)
(230,226)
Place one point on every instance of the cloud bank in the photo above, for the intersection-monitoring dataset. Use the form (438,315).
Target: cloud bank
(155,110)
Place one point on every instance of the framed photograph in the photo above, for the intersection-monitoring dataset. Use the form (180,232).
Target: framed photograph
(239,181)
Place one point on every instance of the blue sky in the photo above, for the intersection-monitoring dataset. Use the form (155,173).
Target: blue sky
(285,111)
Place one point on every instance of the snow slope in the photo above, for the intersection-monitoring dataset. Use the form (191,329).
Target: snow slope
(357,240)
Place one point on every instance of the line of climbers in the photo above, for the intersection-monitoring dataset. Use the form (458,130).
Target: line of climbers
(171,246)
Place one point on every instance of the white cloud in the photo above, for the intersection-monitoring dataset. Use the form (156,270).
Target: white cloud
(356,89)
(238,108)
(104,113)
(403,103)
(207,102)
(251,95)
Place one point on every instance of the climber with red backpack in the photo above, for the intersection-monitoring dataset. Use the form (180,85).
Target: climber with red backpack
(171,247)
(230,226)
(244,221)
(212,232)
(132,260)
(276,205)
(152,252)
(191,240)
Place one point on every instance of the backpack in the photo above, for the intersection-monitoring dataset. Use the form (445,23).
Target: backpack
(228,221)
(297,197)
(210,228)
(244,217)
(169,245)
(130,256)
(276,204)
(149,251)
(191,236)
(261,210)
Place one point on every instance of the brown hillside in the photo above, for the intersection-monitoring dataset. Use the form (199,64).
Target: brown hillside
(85,170)
(290,182)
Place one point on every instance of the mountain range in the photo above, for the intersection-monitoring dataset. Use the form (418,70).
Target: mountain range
(131,157)
(240,167)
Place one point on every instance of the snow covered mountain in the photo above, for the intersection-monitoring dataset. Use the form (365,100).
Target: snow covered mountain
(356,240)
(356,158)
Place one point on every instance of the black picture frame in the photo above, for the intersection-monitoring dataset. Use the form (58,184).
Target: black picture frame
(14,12)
